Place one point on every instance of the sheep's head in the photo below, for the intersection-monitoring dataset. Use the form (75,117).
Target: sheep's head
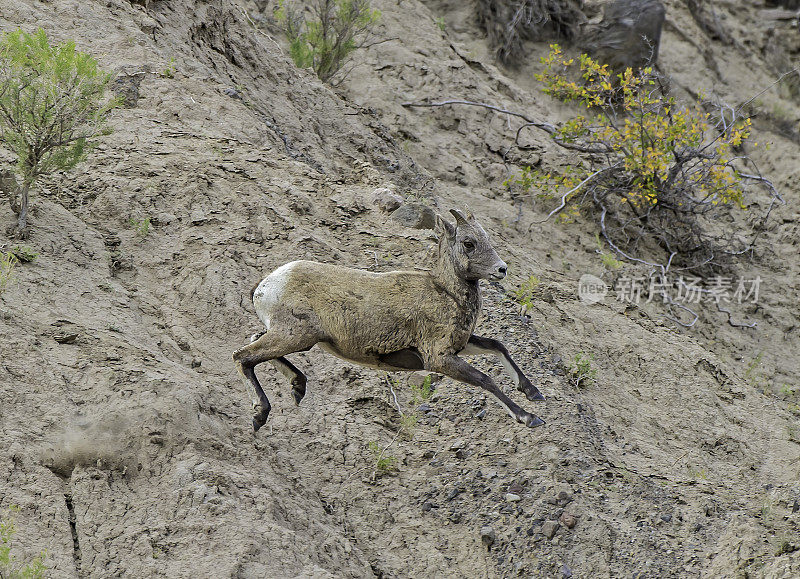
(469,248)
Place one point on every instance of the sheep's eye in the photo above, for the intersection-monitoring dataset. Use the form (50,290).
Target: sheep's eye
(469,245)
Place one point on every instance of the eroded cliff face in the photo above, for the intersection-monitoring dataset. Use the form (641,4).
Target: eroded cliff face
(125,432)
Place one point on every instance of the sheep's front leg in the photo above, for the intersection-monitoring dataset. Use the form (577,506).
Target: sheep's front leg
(458,369)
(480,345)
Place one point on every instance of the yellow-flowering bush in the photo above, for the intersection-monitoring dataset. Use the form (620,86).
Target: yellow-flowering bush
(652,167)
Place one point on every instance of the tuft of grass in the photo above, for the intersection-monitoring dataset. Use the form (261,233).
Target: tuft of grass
(422,392)
(440,23)
(384,463)
(608,259)
(581,370)
(170,70)
(24,253)
(523,295)
(142,227)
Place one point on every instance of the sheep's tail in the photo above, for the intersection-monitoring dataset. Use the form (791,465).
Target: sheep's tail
(253,290)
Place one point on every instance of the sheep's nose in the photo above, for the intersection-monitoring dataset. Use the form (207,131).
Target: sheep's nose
(501,270)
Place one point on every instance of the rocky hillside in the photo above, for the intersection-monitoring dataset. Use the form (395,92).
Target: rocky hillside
(125,432)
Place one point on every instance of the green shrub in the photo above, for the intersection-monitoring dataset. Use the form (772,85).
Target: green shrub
(51,106)
(660,176)
(326,40)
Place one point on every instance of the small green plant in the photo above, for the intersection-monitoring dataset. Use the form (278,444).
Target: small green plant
(170,70)
(698,473)
(384,463)
(142,227)
(788,390)
(7,263)
(440,23)
(24,254)
(10,568)
(581,369)
(326,40)
(51,107)
(523,295)
(749,373)
(422,392)
(608,259)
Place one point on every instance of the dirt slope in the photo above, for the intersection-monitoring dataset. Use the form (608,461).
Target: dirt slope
(129,448)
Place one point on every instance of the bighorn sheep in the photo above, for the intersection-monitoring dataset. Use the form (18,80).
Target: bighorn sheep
(395,321)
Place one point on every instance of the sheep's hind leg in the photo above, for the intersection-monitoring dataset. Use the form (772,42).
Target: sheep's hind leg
(269,346)
(457,368)
(296,378)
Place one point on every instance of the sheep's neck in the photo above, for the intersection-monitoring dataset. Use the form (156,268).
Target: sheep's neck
(466,293)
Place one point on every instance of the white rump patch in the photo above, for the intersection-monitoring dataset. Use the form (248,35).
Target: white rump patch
(269,293)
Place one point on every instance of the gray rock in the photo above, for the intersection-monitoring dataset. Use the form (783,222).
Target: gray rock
(386,199)
(125,87)
(628,36)
(415,216)
(513,498)
(488,536)
(549,528)
(567,520)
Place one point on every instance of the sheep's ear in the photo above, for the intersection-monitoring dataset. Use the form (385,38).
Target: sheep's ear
(460,219)
(444,227)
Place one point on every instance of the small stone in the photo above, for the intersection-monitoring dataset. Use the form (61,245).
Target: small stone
(453,494)
(424,407)
(566,571)
(549,528)
(666,518)
(515,488)
(386,199)
(462,454)
(513,498)
(481,414)
(232,92)
(196,362)
(457,444)
(563,498)
(426,506)
(488,536)
(66,338)
(415,216)
(567,520)
(796,506)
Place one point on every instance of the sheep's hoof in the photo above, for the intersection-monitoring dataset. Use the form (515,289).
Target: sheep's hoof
(533,421)
(531,392)
(260,417)
(297,395)
(534,396)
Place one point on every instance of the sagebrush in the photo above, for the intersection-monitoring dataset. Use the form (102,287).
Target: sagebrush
(52,104)
(325,40)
